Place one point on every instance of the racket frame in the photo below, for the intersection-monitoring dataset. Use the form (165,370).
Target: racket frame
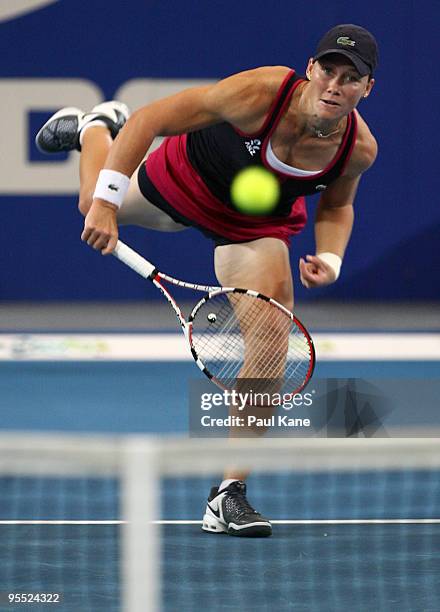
(148,271)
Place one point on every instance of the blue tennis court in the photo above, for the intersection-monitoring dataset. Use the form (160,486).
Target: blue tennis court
(303,567)
(141,396)
(341,541)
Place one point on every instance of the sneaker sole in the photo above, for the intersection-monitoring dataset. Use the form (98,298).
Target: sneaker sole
(69,111)
(211,524)
(255,530)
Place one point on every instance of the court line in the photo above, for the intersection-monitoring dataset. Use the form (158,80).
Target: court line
(431,521)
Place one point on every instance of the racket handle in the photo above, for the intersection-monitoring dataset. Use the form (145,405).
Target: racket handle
(133,260)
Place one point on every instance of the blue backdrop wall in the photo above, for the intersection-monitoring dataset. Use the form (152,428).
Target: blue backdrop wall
(93,50)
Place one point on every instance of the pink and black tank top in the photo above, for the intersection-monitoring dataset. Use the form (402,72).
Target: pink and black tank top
(218,152)
(189,177)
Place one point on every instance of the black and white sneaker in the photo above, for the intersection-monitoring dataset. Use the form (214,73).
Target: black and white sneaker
(113,113)
(228,511)
(61,132)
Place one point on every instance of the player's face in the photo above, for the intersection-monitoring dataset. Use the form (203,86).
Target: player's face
(336,87)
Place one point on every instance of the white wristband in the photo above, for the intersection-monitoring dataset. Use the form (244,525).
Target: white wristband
(333,260)
(112,187)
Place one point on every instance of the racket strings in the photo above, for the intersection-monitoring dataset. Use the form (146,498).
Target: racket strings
(267,347)
(238,335)
(209,342)
(279,329)
(253,333)
(282,328)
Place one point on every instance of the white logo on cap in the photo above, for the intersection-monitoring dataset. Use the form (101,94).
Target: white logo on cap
(346,41)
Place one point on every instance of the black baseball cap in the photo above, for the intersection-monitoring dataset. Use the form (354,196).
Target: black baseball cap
(356,43)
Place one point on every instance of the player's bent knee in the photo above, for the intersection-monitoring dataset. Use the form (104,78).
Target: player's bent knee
(262,265)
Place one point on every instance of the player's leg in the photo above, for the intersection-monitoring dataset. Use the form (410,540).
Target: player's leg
(92,134)
(95,145)
(136,209)
(262,265)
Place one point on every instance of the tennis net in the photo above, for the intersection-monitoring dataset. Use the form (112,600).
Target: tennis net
(114,523)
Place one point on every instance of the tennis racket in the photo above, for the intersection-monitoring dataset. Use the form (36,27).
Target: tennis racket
(236,333)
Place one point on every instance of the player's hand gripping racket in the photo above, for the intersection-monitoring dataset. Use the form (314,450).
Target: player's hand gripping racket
(237,333)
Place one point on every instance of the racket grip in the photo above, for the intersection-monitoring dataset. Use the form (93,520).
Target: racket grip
(133,260)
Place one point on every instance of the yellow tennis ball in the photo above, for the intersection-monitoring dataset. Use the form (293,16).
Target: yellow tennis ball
(255,191)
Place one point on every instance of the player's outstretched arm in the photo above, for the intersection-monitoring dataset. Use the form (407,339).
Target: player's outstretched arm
(242,99)
(129,148)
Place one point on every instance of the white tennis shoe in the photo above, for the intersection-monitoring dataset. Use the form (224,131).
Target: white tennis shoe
(62,131)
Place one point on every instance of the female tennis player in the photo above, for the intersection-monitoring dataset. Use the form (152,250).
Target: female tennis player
(306,131)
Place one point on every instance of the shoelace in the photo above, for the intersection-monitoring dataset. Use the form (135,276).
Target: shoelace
(241,504)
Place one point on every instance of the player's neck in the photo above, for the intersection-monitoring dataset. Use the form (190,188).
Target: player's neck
(321,129)
(308,124)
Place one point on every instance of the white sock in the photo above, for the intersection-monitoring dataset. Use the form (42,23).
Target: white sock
(94,123)
(226,483)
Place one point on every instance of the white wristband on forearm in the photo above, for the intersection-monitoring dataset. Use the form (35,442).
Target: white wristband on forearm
(112,187)
(333,260)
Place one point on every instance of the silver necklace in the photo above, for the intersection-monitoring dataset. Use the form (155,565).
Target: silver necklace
(321,134)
